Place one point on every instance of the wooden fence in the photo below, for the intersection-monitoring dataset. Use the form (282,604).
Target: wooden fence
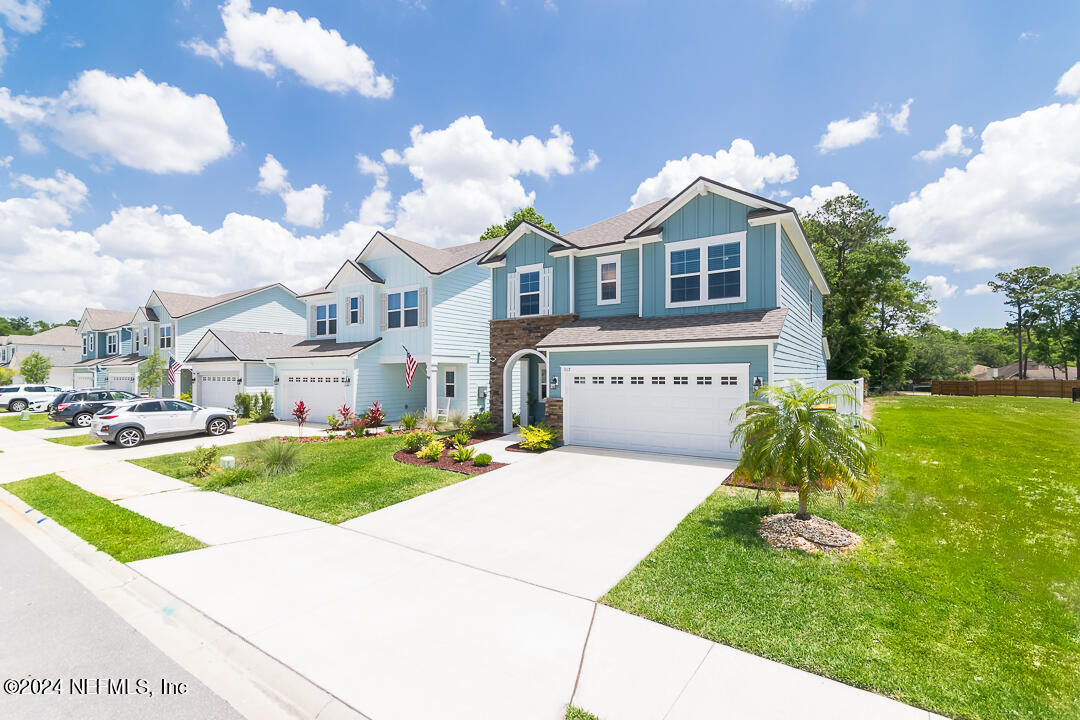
(1011,388)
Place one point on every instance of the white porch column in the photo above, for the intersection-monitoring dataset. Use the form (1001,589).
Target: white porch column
(523,398)
(432,373)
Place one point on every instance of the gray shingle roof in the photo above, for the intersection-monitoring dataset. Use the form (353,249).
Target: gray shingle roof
(60,335)
(614,229)
(253,346)
(439,260)
(634,330)
(361,267)
(180,304)
(99,319)
(313,349)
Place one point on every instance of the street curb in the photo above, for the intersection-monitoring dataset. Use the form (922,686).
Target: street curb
(257,685)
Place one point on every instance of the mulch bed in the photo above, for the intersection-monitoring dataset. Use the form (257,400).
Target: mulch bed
(516,447)
(446,463)
(744,482)
(816,535)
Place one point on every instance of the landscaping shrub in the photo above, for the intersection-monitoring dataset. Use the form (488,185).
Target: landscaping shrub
(357,428)
(242,404)
(455,418)
(409,420)
(462,454)
(538,437)
(186,397)
(278,458)
(230,477)
(262,407)
(517,419)
(416,440)
(204,460)
(482,460)
(389,429)
(333,423)
(432,451)
(479,424)
(346,414)
(374,416)
(461,437)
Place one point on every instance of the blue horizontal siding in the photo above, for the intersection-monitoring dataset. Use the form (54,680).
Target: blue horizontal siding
(461,306)
(585,299)
(799,353)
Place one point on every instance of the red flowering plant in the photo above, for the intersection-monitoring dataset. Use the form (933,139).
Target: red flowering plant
(374,416)
(346,414)
(300,411)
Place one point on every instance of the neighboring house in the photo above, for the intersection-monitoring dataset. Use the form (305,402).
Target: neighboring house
(396,295)
(1035,371)
(646,330)
(105,342)
(225,363)
(59,344)
(115,343)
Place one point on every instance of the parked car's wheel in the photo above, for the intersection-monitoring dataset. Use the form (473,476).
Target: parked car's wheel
(17,405)
(217,426)
(129,437)
(83,419)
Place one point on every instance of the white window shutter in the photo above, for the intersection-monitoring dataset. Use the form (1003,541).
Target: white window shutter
(421,302)
(360,306)
(382,311)
(546,281)
(312,328)
(511,295)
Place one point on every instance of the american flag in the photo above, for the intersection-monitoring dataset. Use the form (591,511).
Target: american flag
(410,366)
(174,367)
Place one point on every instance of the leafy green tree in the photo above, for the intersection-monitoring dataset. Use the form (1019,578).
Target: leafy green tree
(993,347)
(152,372)
(1071,291)
(938,354)
(1020,287)
(35,368)
(793,438)
(6,376)
(527,214)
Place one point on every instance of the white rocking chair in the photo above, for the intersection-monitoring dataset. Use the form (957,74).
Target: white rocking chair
(443,413)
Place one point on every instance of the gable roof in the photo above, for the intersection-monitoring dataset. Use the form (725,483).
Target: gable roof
(634,330)
(432,259)
(251,346)
(614,229)
(315,349)
(59,335)
(358,266)
(700,186)
(101,319)
(181,304)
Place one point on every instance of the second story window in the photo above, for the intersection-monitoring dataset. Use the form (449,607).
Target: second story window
(112,344)
(325,320)
(529,293)
(706,271)
(146,337)
(607,279)
(685,273)
(135,341)
(165,337)
(87,344)
(403,309)
(355,305)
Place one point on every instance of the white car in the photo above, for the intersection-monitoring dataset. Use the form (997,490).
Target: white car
(130,422)
(17,398)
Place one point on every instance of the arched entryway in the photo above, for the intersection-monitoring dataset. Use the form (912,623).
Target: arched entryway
(530,392)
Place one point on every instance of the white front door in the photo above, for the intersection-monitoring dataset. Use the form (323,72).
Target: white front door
(218,389)
(323,393)
(678,409)
(124,381)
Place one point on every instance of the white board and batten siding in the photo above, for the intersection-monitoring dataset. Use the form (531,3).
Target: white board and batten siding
(677,409)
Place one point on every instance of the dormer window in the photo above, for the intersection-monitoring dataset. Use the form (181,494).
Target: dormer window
(87,343)
(112,344)
(325,320)
(706,271)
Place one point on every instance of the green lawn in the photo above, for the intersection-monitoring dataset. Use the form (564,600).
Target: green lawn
(965,598)
(37,421)
(75,440)
(125,535)
(337,481)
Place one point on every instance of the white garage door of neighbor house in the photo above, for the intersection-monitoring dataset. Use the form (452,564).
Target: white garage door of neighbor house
(125,381)
(84,380)
(322,393)
(678,409)
(218,389)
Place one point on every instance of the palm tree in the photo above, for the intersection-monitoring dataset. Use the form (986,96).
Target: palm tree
(793,436)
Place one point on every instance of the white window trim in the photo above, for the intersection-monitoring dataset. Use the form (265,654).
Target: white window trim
(359,309)
(315,317)
(537,268)
(450,382)
(543,381)
(110,339)
(600,261)
(146,337)
(703,269)
(162,335)
(402,291)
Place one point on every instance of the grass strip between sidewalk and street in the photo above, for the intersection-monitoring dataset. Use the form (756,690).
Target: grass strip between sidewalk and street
(115,530)
(37,421)
(75,440)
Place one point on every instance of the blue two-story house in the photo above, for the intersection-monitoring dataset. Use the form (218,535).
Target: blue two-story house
(106,345)
(646,330)
(395,299)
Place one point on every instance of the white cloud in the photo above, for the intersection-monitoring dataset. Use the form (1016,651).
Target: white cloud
(130,120)
(23,17)
(469,179)
(375,208)
(3,49)
(819,195)
(1028,35)
(1016,202)
(953,144)
(898,121)
(1069,83)
(739,165)
(591,161)
(279,39)
(980,289)
(940,289)
(847,132)
(120,261)
(302,207)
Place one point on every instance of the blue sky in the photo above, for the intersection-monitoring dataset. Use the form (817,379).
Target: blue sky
(122,177)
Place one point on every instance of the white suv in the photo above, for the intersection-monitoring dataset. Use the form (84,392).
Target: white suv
(129,423)
(17,398)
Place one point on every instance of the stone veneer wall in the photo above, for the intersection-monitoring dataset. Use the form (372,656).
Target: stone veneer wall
(509,335)
(553,415)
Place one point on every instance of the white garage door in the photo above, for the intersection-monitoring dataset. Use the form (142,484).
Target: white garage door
(218,389)
(679,409)
(123,381)
(84,380)
(323,393)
